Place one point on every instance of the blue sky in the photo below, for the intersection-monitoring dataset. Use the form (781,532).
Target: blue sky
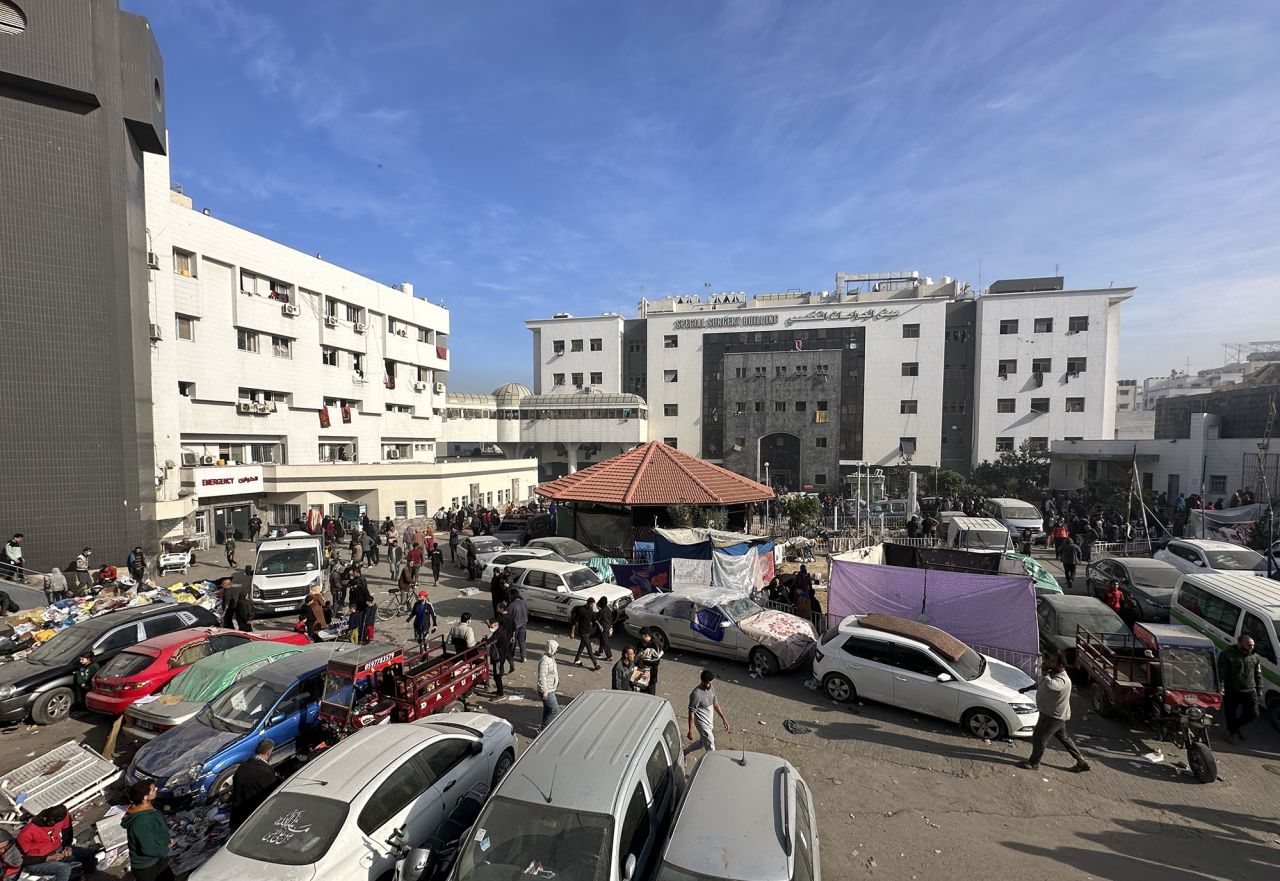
(517,159)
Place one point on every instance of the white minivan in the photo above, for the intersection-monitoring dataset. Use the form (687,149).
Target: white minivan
(1223,606)
(1016,515)
(285,569)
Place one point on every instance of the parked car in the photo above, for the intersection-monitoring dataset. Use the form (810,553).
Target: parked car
(1196,555)
(196,760)
(926,670)
(724,625)
(1226,606)
(1149,581)
(591,798)
(502,559)
(978,534)
(1016,515)
(520,529)
(39,685)
(188,692)
(147,667)
(894,511)
(477,546)
(335,819)
(1060,614)
(571,549)
(553,589)
(728,793)
(284,570)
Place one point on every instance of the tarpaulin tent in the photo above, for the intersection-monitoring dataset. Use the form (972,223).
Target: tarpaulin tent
(709,557)
(992,614)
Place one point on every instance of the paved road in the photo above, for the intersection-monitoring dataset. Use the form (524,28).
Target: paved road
(902,796)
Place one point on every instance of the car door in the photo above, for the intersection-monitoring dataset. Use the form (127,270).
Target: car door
(1100,573)
(736,643)
(532,588)
(457,765)
(171,622)
(1048,623)
(406,798)
(678,624)
(282,723)
(708,633)
(916,686)
(559,598)
(868,663)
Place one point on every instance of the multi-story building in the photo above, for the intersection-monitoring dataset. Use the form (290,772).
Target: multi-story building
(890,368)
(82,101)
(1128,396)
(284,383)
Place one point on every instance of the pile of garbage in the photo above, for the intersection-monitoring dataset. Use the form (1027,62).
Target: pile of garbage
(24,631)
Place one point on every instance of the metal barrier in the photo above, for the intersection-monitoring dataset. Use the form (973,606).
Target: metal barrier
(1123,548)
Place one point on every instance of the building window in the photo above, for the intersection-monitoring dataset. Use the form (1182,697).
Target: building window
(1009,325)
(420,508)
(1004,444)
(670,441)
(577,380)
(821,369)
(246,340)
(907,406)
(184,263)
(186,389)
(779,406)
(424,335)
(597,345)
(671,376)
(201,522)
(761,371)
(557,346)
(329,356)
(739,443)
(1005,405)
(820,442)
(1041,365)
(1039,405)
(1076,365)
(557,379)
(186,328)
(911,331)
(575,345)
(802,370)
(1006,368)
(1040,444)
(402,510)
(907,446)
(597,379)
(281,347)
(1044,325)
(759,406)
(819,480)
(357,362)
(820,417)
(800,405)
(1217,483)
(1077,324)
(354,314)
(910,368)
(1075,405)
(635,346)
(670,409)
(780,370)
(739,407)
(670,341)
(739,373)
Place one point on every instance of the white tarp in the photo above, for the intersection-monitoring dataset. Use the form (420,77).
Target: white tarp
(690,574)
(735,572)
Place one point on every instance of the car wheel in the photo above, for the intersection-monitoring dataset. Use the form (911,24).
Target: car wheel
(839,688)
(763,662)
(221,787)
(1273,711)
(660,640)
(505,761)
(455,707)
(52,706)
(1099,701)
(983,723)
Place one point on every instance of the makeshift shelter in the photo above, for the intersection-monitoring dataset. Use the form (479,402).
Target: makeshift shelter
(606,505)
(709,557)
(992,614)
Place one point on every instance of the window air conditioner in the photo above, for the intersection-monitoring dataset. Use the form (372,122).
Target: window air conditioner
(393,454)
(208,460)
(290,309)
(419,386)
(155,332)
(153,262)
(271,406)
(261,407)
(402,332)
(439,388)
(244,407)
(360,328)
(331,321)
(189,459)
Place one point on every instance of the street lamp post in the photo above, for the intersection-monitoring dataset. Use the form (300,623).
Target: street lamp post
(770,485)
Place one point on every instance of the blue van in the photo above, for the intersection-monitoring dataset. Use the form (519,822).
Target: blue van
(196,760)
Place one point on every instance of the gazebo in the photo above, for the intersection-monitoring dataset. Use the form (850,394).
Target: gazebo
(605,504)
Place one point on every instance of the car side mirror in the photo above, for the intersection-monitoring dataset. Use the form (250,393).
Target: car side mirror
(277,719)
(944,677)
(725,624)
(248,570)
(629,868)
(477,747)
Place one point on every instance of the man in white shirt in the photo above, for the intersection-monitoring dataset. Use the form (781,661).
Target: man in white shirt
(1053,699)
(548,682)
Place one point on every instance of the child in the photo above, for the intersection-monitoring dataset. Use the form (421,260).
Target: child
(423,618)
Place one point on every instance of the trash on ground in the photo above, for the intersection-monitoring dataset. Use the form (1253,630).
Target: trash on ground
(796,727)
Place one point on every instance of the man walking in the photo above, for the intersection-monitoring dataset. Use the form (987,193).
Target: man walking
(237,609)
(14,559)
(548,682)
(81,568)
(583,625)
(454,540)
(1069,554)
(137,564)
(255,526)
(702,700)
(1053,699)
(518,609)
(361,607)
(437,560)
(229,545)
(1241,673)
(604,627)
(498,587)
(624,670)
(252,783)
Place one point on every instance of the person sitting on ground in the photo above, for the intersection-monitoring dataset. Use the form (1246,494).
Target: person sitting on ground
(46,843)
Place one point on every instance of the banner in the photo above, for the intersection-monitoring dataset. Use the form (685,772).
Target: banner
(690,574)
(643,578)
(1231,524)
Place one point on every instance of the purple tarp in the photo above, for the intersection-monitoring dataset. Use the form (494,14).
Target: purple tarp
(992,614)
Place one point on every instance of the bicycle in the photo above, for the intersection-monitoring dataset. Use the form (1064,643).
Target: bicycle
(398,604)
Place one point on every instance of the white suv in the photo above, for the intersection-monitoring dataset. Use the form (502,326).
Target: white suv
(1200,556)
(553,589)
(921,668)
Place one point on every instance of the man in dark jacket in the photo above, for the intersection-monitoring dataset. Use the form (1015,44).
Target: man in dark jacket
(518,609)
(583,625)
(361,604)
(604,627)
(624,670)
(498,587)
(1069,554)
(252,783)
(237,607)
(1241,673)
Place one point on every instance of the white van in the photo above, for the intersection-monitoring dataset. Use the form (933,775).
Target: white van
(1223,606)
(592,797)
(1016,515)
(284,571)
(978,534)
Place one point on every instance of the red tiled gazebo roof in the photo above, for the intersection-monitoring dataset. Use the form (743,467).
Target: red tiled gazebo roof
(655,474)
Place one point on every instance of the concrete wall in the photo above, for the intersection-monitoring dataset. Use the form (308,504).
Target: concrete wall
(607,361)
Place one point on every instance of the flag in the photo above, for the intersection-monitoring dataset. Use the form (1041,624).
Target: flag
(799,345)
(346,413)
(324,417)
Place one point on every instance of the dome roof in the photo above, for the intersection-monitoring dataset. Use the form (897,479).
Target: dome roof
(512,392)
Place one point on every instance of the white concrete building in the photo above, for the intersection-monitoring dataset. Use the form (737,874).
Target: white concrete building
(1046,364)
(284,383)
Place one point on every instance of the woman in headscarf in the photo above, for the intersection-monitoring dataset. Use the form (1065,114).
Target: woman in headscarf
(802,593)
(314,612)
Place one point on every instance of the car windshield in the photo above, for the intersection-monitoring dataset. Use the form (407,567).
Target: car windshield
(287,561)
(1020,512)
(568,546)
(514,840)
(64,647)
(581,579)
(987,539)
(290,829)
(1161,577)
(741,609)
(337,689)
(1100,620)
(970,665)
(241,708)
(125,664)
(513,525)
(1242,558)
(1188,669)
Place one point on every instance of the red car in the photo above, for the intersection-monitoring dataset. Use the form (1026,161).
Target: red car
(147,667)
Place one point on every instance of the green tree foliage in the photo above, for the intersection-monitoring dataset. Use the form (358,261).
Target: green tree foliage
(803,510)
(1021,474)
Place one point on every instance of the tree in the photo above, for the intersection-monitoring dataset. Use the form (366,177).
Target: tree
(1021,474)
(951,483)
(803,510)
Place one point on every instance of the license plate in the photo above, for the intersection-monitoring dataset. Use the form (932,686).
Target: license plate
(144,724)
